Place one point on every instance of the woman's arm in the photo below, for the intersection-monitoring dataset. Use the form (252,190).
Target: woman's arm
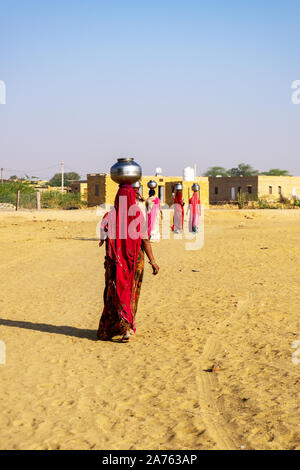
(148,250)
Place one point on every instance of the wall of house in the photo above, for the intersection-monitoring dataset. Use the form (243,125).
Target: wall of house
(225,184)
(288,184)
(111,189)
(79,187)
(259,187)
(296,185)
(96,192)
(75,187)
(83,191)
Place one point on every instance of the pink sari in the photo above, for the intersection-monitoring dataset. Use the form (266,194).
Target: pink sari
(152,216)
(194,213)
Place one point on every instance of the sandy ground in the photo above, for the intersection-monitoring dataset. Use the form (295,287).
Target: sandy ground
(239,308)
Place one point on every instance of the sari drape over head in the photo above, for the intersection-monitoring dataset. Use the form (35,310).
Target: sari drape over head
(124,227)
(178,212)
(153,207)
(194,212)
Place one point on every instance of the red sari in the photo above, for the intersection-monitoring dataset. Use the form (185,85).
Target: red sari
(194,212)
(124,263)
(178,212)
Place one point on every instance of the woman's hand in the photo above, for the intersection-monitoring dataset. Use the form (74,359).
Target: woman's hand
(148,251)
(155,269)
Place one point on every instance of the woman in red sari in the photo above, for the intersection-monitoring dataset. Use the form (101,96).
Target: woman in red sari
(194,208)
(178,212)
(124,265)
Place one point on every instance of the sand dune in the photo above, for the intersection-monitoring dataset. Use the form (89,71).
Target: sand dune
(234,303)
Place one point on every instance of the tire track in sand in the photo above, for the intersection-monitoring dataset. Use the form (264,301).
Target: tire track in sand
(213,412)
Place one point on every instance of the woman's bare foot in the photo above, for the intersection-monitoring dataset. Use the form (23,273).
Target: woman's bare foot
(126,337)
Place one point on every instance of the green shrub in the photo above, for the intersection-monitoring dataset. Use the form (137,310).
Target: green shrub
(56,199)
(241,199)
(8,193)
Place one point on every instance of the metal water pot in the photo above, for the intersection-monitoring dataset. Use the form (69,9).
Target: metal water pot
(178,187)
(126,171)
(195,187)
(152,184)
(137,184)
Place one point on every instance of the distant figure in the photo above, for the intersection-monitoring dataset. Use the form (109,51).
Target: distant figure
(136,186)
(178,212)
(124,266)
(153,211)
(194,209)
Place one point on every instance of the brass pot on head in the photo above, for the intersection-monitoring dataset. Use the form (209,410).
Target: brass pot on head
(195,187)
(152,184)
(137,184)
(126,171)
(178,187)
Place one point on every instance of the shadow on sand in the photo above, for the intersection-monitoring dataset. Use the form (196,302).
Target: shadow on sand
(46,328)
(86,239)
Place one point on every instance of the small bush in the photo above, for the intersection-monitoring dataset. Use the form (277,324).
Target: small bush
(297,202)
(241,199)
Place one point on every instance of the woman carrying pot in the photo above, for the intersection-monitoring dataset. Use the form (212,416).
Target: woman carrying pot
(178,209)
(125,244)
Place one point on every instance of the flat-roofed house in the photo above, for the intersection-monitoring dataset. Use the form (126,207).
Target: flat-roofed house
(80,187)
(227,188)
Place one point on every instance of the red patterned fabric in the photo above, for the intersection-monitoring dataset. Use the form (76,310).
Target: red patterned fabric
(178,211)
(194,212)
(124,225)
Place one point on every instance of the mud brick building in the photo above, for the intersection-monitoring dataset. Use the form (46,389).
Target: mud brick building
(79,187)
(227,188)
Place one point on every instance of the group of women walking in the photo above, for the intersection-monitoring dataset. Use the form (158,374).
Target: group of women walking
(127,240)
(193,211)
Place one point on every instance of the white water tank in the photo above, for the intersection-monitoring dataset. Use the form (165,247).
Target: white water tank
(158,171)
(188,174)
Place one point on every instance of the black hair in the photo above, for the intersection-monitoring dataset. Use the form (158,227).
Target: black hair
(151,192)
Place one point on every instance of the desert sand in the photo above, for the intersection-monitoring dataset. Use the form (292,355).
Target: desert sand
(234,304)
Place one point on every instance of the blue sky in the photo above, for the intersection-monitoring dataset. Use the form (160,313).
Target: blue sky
(171,83)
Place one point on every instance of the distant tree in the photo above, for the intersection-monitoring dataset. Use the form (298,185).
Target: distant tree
(214,171)
(276,172)
(14,186)
(13,177)
(243,169)
(68,177)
